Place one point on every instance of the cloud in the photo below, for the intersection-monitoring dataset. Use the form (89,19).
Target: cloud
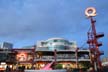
(24,18)
(25,21)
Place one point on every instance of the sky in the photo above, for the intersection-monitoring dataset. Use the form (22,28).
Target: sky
(24,22)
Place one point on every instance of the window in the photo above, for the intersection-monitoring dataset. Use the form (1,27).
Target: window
(55,40)
(42,43)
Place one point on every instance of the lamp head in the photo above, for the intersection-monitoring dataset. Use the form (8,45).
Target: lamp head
(90,12)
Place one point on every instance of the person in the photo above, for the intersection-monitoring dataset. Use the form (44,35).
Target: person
(8,69)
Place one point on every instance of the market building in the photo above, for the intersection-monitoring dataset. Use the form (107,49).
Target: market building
(58,50)
(63,52)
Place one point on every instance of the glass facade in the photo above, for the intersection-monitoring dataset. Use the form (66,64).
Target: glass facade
(58,44)
(57,47)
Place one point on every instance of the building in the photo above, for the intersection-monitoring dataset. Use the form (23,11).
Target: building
(7,57)
(105,61)
(56,43)
(6,45)
(24,57)
(63,52)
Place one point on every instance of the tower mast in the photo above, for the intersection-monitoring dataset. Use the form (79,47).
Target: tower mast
(93,40)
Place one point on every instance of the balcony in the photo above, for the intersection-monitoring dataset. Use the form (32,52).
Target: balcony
(66,59)
(84,58)
(66,56)
(84,50)
(45,58)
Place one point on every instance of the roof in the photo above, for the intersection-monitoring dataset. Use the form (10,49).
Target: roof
(56,38)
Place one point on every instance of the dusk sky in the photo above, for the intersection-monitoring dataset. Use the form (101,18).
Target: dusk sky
(24,22)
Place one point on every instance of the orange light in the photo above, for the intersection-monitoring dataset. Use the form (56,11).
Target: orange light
(22,56)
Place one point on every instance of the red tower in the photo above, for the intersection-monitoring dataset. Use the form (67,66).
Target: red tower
(93,37)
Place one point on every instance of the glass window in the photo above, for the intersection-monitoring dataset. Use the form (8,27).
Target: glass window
(55,40)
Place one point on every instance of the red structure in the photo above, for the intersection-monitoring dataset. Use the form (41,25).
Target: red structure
(76,52)
(94,44)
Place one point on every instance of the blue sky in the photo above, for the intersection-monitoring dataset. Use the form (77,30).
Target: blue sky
(24,22)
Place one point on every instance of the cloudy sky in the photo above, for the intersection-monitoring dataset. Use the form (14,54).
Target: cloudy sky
(24,22)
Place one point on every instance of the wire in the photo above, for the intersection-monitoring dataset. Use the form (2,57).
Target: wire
(89,28)
(82,46)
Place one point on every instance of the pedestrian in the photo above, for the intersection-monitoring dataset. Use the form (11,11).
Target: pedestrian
(8,69)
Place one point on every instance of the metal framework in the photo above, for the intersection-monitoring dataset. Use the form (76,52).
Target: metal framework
(94,46)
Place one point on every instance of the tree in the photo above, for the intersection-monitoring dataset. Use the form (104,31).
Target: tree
(58,66)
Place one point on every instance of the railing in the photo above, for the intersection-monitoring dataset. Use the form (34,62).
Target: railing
(45,58)
(84,59)
(62,59)
(45,70)
(66,60)
(69,56)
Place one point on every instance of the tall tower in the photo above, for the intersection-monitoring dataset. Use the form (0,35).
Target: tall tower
(93,37)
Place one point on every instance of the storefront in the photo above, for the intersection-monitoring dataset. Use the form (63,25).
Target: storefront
(24,58)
